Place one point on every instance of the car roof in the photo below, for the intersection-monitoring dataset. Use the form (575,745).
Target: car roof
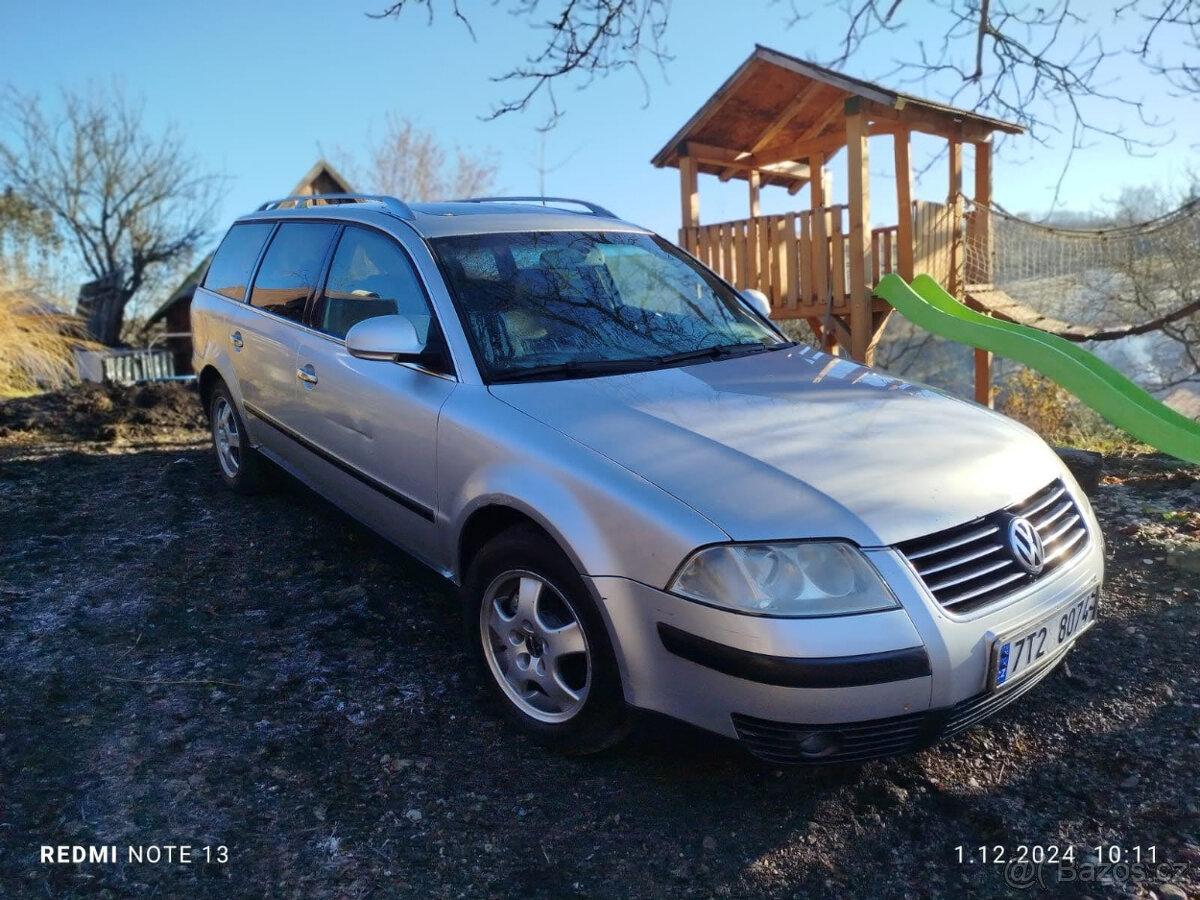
(435,220)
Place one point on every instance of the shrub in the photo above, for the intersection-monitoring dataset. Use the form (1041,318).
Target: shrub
(1058,417)
(1034,400)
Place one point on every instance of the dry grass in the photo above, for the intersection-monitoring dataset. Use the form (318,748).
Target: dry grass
(36,341)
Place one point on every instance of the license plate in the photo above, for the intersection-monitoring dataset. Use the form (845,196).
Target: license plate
(1028,649)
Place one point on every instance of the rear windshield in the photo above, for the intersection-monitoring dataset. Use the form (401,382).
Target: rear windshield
(535,299)
(229,271)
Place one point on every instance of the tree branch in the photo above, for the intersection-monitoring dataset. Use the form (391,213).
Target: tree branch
(124,199)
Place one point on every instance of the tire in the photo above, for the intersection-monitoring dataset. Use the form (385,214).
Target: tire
(240,466)
(542,645)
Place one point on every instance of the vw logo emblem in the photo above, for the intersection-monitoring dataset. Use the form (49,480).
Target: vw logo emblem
(1025,544)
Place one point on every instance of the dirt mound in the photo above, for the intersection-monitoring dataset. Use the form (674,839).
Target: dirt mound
(104,412)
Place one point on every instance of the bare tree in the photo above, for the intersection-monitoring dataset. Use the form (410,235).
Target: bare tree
(125,203)
(22,221)
(411,163)
(1158,279)
(1044,65)
(584,39)
(1181,18)
(27,237)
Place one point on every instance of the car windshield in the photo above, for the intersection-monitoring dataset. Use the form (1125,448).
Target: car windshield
(550,304)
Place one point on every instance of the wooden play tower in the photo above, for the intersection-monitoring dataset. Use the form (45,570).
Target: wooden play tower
(777,121)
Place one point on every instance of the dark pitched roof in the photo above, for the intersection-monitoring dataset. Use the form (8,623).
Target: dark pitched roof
(323,178)
(186,289)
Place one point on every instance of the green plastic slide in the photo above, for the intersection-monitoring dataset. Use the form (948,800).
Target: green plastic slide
(1093,381)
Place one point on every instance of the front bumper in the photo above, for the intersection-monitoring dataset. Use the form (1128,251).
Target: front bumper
(785,742)
(890,681)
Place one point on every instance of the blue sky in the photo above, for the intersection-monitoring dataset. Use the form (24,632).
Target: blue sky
(261,90)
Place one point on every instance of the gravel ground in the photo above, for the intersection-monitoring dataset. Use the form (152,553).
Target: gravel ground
(187,667)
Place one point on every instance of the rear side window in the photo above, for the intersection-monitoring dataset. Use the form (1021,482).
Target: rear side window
(229,271)
(291,268)
(370,276)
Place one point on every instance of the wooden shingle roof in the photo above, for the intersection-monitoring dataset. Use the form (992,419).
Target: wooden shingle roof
(777,109)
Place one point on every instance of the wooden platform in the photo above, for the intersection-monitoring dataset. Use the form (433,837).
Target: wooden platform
(988,299)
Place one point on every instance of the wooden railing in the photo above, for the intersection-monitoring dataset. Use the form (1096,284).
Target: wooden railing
(884,253)
(801,260)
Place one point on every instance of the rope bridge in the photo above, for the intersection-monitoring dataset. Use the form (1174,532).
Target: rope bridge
(1049,277)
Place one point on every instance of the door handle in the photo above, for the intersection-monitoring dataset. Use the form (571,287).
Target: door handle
(235,338)
(308,374)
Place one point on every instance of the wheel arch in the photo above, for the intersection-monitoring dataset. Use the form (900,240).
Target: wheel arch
(494,518)
(208,379)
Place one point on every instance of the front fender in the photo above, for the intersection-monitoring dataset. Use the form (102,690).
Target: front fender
(529,492)
(608,520)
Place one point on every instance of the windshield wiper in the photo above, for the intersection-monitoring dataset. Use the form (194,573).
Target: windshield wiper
(579,368)
(718,352)
(584,368)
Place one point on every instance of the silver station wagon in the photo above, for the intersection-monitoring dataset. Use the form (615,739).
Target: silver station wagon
(649,498)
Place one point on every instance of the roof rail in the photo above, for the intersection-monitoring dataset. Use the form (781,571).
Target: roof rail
(396,207)
(594,208)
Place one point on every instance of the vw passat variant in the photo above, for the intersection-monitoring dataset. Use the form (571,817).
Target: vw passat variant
(649,498)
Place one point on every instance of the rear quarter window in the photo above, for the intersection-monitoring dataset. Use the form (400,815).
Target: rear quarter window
(229,272)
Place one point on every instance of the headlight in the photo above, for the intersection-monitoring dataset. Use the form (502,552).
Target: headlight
(794,579)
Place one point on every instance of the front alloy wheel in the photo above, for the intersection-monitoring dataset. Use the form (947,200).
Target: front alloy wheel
(542,644)
(534,646)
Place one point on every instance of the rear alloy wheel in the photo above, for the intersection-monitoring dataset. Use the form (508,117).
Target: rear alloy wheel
(240,465)
(542,643)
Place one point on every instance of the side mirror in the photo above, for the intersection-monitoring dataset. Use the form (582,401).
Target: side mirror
(391,338)
(758,301)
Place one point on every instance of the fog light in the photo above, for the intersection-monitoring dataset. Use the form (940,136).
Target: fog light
(819,744)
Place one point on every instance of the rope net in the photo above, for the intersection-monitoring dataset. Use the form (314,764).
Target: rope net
(1130,291)
(1094,283)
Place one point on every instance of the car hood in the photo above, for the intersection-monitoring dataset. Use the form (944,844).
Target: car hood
(795,443)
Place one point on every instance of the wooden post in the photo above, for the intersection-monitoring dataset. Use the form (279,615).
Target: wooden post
(689,195)
(904,207)
(858,186)
(755,235)
(983,377)
(954,204)
(818,290)
(979,255)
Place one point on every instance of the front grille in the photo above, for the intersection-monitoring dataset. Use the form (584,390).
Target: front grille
(975,709)
(780,742)
(970,565)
